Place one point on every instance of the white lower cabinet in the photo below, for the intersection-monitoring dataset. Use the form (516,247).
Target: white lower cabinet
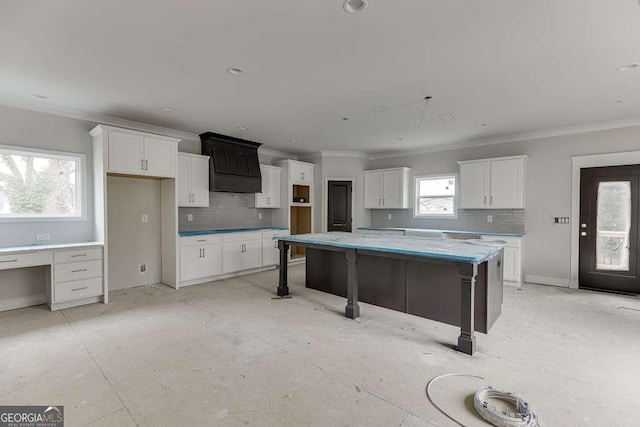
(75,274)
(513,259)
(206,257)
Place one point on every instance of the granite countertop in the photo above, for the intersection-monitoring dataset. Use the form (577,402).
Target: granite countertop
(451,250)
(428,230)
(37,247)
(227,230)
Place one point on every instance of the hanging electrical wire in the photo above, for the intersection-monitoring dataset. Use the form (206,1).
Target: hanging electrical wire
(424,109)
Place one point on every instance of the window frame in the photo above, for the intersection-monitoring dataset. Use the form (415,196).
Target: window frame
(81,184)
(416,196)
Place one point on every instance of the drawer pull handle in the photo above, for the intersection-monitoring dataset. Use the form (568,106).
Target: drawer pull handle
(78,271)
(76,256)
(79,289)
(11,260)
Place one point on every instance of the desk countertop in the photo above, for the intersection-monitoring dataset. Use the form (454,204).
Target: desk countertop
(34,248)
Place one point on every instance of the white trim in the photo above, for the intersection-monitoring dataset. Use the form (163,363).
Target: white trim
(330,153)
(456,196)
(325,202)
(570,130)
(547,280)
(81,183)
(589,161)
(270,152)
(22,302)
(465,162)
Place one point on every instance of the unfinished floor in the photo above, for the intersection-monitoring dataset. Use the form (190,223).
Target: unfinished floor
(225,353)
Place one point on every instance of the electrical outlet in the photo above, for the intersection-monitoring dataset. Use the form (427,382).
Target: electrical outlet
(145,218)
(42,237)
(489,218)
(143,268)
(189,217)
(259,215)
(389,216)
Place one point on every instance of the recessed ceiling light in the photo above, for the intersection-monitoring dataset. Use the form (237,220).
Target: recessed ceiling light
(481,125)
(627,67)
(294,141)
(41,96)
(345,118)
(379,109)
(242,128)
(355,6)
(235,71)
(399,138)
(617,101)
(168,109)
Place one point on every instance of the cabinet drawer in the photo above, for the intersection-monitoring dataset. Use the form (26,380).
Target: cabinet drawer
(270,234)
(200,240)
(77,271)
(77,289)
(25,259)
(241,237)
(79,255)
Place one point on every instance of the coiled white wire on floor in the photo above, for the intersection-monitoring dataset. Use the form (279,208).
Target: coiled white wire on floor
(525,417)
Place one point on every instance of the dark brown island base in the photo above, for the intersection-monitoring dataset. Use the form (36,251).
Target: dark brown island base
(450,281)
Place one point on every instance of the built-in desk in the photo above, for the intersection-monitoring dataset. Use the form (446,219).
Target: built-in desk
(74,273)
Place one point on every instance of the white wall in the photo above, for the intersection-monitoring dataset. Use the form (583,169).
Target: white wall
(132,242)
(548,188)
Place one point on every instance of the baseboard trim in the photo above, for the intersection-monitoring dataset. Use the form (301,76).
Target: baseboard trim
(547,280)
(22,302)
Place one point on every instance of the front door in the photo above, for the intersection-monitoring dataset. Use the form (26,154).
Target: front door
(339,206)
(609,243)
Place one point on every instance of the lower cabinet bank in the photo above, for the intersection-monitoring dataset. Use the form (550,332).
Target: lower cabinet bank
(208,257)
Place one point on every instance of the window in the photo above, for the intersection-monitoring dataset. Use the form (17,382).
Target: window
(36,185)
(436,196)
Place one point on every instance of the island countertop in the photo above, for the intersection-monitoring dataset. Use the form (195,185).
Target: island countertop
(475,252)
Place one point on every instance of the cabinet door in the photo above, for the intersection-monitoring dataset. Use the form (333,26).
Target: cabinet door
(160,157)
(252,255)
(270,252)
(190,263)
(306,172)
(211,262)
(511,263)
(373,190)
(295,172)
(274,187)
(184,181)
(507,184)
(392,195)
(125,153)
(232,257)
(474,185)
(200,181)
(262,199)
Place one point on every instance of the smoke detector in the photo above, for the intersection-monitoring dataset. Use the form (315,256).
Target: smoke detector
(355,6)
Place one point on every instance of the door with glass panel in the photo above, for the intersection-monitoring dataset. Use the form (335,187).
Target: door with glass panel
(609,229)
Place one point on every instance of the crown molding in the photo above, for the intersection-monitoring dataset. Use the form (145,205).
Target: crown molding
(97,119)
(358,154)
(569,130)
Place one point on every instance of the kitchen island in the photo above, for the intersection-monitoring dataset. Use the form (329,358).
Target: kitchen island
(450,281)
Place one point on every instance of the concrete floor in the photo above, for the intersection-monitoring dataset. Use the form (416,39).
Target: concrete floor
(225,353)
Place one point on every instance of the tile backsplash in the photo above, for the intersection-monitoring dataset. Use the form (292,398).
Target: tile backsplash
(504,220)
(226,210)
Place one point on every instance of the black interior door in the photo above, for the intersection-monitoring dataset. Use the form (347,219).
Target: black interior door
(339,206)
(609,243)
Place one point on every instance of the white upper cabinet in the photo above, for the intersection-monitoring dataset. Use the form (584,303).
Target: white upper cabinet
(492,183)
(386,189)
(138,153)
(300,171)
(270,196)
(193,180)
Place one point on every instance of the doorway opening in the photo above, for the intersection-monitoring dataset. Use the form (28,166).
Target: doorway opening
(339,206)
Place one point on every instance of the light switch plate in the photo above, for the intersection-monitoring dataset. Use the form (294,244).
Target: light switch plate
(489,218)
(145,218)
(259,215)
(42,237)
(189,217)
(389,216)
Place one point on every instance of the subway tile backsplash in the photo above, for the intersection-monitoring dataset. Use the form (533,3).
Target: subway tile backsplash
(226,210)
(504,220)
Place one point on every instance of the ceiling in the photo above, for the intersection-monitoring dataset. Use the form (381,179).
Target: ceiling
(516,66)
